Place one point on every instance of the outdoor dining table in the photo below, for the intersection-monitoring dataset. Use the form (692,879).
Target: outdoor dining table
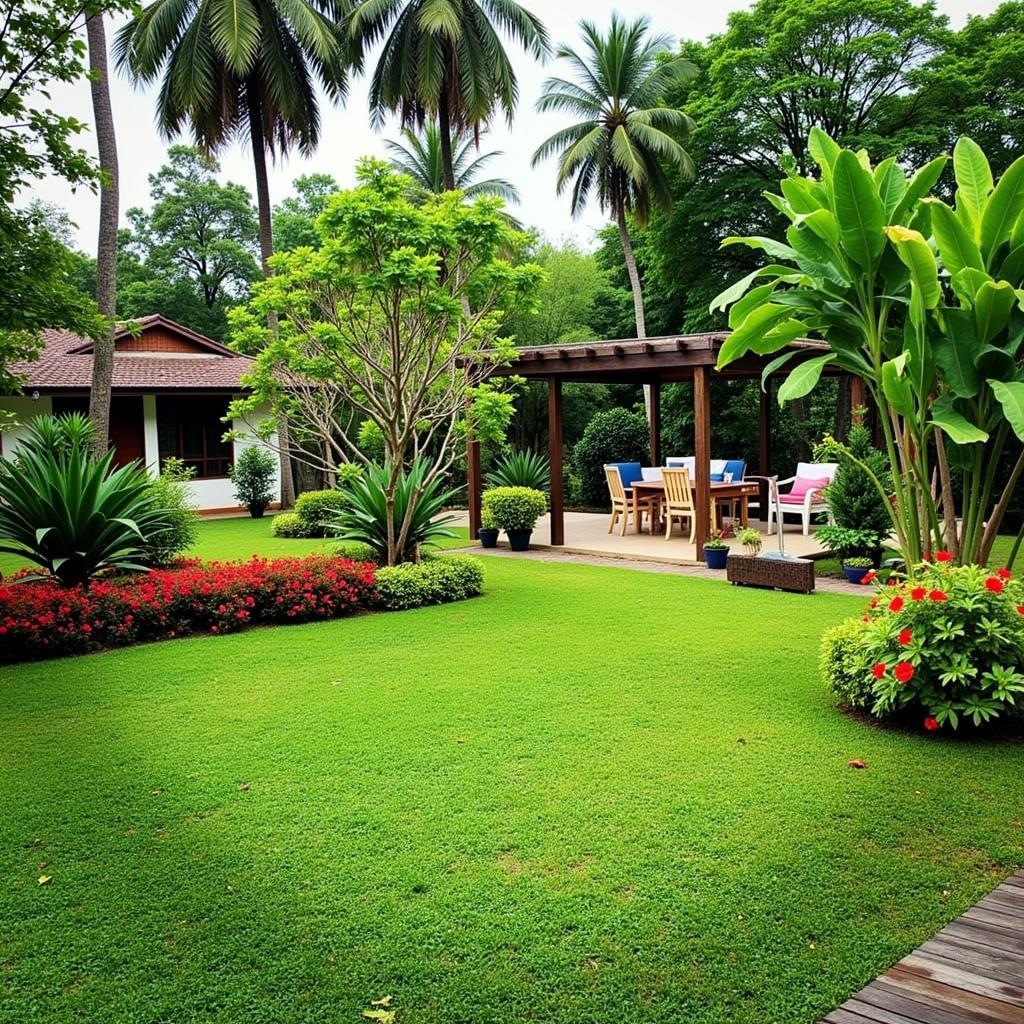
(740,490)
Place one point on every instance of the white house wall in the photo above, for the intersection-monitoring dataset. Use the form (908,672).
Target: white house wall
(214,493)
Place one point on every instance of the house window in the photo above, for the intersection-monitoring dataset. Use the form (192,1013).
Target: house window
(191,429)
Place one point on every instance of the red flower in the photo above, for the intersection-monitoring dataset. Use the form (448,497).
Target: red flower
(917,594)
(878,671)
(943,556)
(904,637)
(995,584)
(938,595)
(903,672)
(931,723)
(1004,574)
(896,604)
(1020,609)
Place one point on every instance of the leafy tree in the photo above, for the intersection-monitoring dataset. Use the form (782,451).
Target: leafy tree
(198,230)
(396,317)
(443,61)
(624,142)
(419,156)
(295,216)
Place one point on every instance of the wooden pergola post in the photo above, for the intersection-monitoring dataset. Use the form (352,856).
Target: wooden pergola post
(702,454)
(856,398)
(557,517)
(655,423)
(764,431)
(473,487)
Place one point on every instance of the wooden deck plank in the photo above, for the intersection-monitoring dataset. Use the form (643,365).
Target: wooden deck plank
(971,972)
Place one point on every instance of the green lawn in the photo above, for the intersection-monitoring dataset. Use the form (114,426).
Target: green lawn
(590,795)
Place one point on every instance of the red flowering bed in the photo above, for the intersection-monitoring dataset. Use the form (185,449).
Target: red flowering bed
(945,646)
(43,620)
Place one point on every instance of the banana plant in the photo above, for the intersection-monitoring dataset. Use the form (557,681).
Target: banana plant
(859,270)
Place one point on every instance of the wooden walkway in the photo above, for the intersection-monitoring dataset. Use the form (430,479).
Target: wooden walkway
(972,972)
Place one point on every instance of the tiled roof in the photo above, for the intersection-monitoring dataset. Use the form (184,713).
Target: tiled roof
(60,367)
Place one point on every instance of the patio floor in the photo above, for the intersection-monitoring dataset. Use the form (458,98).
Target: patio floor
(587,533)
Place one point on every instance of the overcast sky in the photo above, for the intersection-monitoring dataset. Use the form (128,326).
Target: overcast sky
(347,135)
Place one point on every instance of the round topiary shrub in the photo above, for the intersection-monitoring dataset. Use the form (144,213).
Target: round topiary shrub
(316,509)
(615,435)
(944,647)
(287,524)
(357,551)
(514,508)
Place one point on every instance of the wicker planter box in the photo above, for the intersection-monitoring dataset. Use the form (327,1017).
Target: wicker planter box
(796,574)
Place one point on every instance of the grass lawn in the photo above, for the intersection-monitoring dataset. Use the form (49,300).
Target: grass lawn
(590,795)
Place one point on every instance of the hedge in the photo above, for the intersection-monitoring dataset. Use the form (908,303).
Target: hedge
(432,581)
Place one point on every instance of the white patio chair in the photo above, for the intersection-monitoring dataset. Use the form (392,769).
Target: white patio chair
(804,497)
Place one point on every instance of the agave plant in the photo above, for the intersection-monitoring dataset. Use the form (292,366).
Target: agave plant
(417,503)
(57,433)
(75,516)
(521,469)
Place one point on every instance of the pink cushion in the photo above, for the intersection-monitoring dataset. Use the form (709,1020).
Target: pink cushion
(801,485)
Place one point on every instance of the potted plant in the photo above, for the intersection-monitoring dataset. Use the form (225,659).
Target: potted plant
(253,475)
(516,511)
(716,551)
(750,538)
(488,532)
(856,568)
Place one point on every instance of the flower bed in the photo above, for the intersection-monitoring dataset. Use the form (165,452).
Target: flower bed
(945,646)
(43,620)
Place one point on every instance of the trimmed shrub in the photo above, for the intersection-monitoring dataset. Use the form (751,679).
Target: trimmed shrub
(432,581)
(842,665)
(315,509)
(945,646)
(514,508)
(612,436)
(357,551)
(288,524)
(43,620)
(171,493)
(253,476)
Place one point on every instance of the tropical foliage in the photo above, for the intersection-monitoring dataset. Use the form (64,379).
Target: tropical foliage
(521,469)
(859,268)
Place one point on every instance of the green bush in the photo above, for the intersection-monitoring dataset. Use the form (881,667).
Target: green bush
(288,524)
(612,436)
(842,665)
(514,508)
(946,643)
(172,493)
(364,515)
(432,581)
(76,516)
(253,475)
(315,510)
(357,551)
(521,469)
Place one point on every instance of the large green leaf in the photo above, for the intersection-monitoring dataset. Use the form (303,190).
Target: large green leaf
(738,288)
(777,250)
(891,184)
(858,210)
(973,175)
(920,261)
(896,387)
(956,352)
(803,378)
(1011,397)
(755,326)
(954,424)
(1003,208)
(920,185)
(956,247)
(823,149)
(992,305)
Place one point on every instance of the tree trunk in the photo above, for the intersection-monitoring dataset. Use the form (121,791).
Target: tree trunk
(638,295)
(259,161)
(444,125)
(106,251)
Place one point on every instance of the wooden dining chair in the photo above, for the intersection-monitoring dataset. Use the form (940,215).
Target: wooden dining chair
(678,503)
(622,502)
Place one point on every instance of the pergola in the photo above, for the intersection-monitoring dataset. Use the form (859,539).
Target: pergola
(653,362)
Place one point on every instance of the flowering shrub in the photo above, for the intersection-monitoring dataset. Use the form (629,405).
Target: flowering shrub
(946,644)
(42,619)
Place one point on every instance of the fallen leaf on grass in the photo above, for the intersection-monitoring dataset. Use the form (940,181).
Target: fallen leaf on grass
(45,879)
(856,764)
(245,787)
(383,1016)
(383,1001)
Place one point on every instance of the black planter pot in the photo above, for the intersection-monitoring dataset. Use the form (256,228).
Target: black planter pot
(519,540)
(488,537)
(256,511)
(715,558)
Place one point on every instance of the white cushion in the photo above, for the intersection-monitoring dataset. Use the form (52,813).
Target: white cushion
(650,472)
(816,470)
(682,462)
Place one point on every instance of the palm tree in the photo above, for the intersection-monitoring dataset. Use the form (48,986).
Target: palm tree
(106,251)
(242,69)
(444,60)
(624,143)
(419,156)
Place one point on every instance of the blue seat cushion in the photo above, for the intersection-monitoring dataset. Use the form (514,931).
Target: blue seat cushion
(738,468)
(717,478)
(629,472)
